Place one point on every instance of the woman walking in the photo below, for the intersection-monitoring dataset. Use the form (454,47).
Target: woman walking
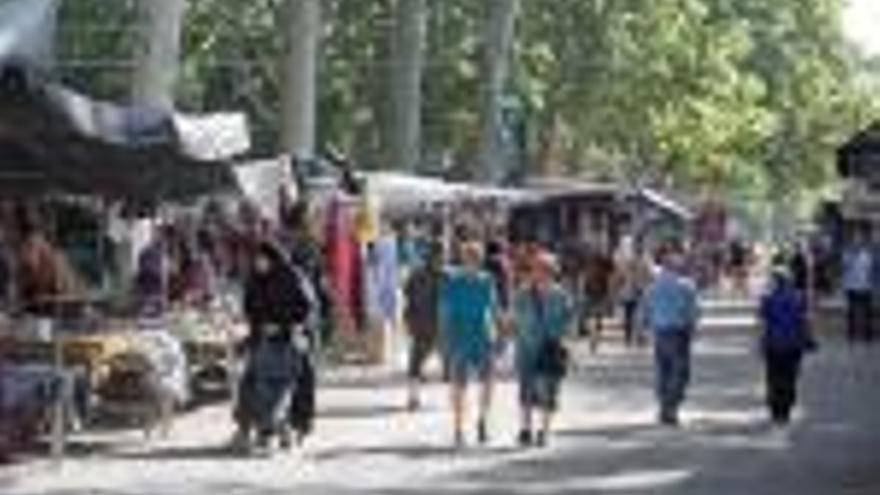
(274,305)
(468,310)
(543,311)
(785,339)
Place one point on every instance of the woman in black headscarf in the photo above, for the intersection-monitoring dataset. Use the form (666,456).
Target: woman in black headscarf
(275,303)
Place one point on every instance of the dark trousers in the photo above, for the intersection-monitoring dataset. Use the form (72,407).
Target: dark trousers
(859,316)
(630,307)
(672,353)
(423,344)
(272,367)
(783,369)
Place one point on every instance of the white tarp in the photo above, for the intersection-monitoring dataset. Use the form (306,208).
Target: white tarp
(27,30)
(666,203)
(109,122)
(402,192)
(262,182)
(213,137)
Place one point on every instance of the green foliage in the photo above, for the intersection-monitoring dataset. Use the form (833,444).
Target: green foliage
(755,92)
(95,40)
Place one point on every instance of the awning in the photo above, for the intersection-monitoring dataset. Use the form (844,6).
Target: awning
(56,141)
(218,136)
(572,188)
(665,203)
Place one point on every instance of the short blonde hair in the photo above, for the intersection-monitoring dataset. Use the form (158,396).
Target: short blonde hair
(471,251)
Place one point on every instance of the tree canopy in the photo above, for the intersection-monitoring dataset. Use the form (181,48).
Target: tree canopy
(751,94)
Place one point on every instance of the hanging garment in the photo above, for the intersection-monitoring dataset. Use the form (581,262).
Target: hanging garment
(384,278)
(339,256)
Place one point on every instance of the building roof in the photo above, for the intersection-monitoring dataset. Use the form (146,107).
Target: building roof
(861,153)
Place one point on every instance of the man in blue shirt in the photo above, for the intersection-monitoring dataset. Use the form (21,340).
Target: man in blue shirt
(670,310)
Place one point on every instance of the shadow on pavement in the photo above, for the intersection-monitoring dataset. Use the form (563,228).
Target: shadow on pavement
(414,452)
(206,453)
(361,412)
(74,448)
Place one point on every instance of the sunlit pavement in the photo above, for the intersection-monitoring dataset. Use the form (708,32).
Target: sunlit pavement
(606,440)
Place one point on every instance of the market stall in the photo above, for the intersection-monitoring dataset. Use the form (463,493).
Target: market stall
(59,146)
(561,211)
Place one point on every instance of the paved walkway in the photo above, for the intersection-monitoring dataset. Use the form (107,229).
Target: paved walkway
(607,442)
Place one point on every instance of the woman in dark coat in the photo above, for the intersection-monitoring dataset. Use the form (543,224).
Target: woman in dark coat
(274,304)
(785,339)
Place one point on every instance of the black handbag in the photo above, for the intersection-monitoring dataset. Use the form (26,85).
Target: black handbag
(553,359)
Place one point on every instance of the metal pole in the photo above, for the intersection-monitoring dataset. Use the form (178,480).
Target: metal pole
(58,441)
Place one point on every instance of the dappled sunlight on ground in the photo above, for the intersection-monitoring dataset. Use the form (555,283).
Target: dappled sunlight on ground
(606,440)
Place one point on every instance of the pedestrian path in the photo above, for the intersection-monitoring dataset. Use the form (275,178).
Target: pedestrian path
(607,441)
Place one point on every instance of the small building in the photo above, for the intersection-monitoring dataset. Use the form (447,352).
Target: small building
(565,210)
(858,164)
(599,213)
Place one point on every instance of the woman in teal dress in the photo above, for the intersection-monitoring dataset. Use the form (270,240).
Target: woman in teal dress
(468,310)
(542,314)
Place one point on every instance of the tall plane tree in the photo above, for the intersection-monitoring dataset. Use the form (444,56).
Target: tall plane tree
(497,47)
(301,20)
(406,81)
(157,57)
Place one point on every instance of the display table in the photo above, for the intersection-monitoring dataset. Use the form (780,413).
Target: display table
(88,351)
(209,339)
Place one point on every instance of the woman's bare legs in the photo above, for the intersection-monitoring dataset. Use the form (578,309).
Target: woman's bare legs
(458,410)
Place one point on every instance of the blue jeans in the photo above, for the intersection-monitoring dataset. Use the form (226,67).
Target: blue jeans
(672,353)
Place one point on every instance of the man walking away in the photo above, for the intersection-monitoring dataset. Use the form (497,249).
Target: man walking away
(670,310)
(857,268)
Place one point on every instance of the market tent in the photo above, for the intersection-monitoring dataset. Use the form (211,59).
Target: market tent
(398,192)
(395,193)
(263,182)
(56,141)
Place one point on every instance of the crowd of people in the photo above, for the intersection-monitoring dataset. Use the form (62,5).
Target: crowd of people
(465,294)
(467,314)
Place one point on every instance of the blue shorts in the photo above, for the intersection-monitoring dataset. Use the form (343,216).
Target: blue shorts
(462,368)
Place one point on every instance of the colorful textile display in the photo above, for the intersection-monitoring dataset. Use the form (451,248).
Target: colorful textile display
(384,278)
(343,260)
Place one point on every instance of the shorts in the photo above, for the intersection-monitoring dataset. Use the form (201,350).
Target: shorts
(463,369)
(539,391)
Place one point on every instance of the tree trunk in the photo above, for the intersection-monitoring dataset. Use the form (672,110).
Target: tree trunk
(498,42)
(302,24)
(408,60)
(157,59)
